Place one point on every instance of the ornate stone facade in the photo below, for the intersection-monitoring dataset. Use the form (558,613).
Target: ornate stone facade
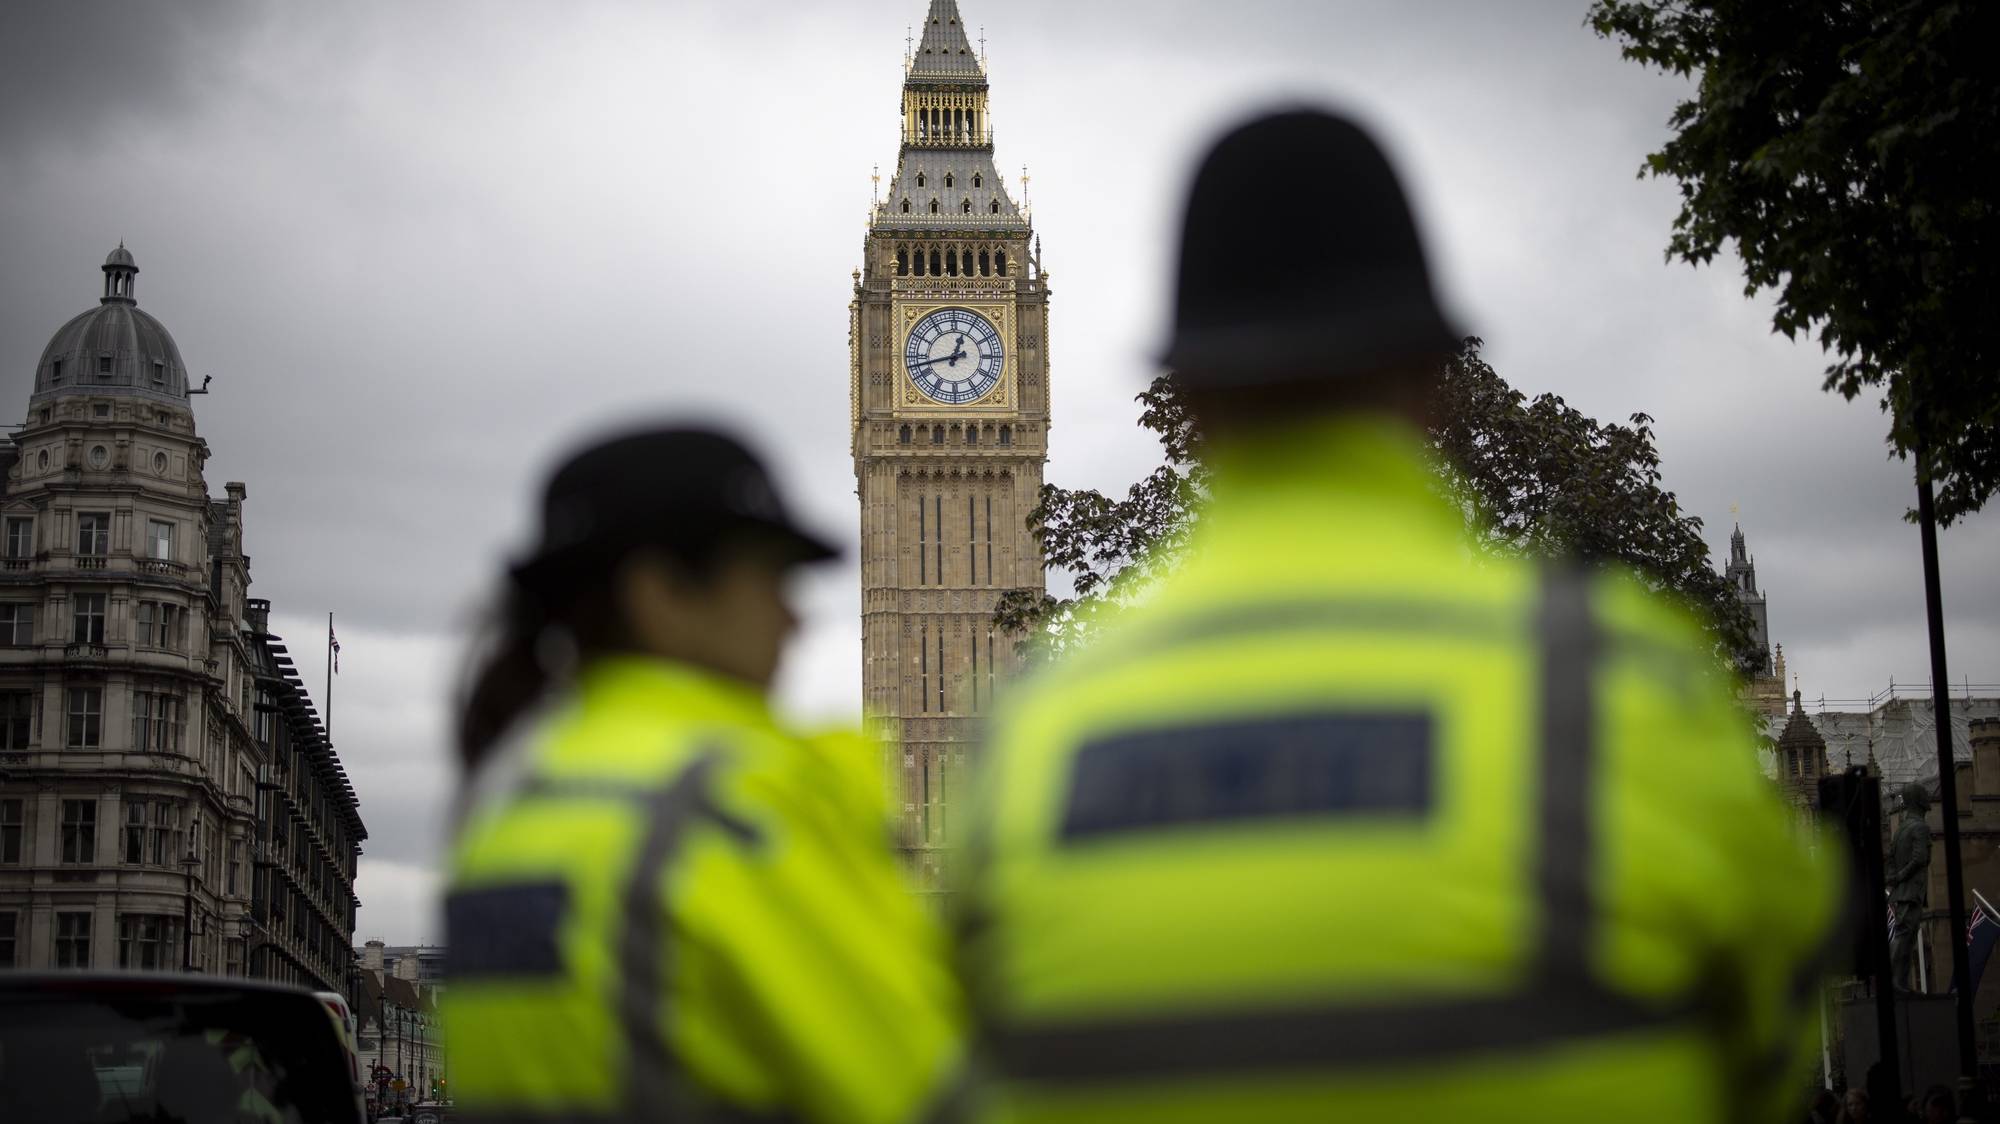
(165,798)
(949,379)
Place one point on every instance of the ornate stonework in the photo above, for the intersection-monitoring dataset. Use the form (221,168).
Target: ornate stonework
(948,467)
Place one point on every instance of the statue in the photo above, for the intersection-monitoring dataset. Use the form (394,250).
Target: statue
(1909,880)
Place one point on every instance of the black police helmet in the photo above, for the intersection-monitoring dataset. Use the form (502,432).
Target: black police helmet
(1300,260)
(688,490)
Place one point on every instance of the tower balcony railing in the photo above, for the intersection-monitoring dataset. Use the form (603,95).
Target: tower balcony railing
(949,138)
(886,215)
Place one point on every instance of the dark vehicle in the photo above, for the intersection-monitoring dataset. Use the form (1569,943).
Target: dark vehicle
(113,1048)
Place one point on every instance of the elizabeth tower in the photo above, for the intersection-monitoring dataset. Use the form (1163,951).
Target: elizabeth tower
(950,412)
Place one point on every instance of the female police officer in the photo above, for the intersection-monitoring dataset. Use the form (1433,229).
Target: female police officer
(662,904)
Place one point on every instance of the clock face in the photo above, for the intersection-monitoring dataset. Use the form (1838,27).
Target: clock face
(954,355)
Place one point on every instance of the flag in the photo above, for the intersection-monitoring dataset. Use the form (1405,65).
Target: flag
(333,643)
(1982,932)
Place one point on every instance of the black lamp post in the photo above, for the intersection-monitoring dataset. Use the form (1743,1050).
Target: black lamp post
(188,866)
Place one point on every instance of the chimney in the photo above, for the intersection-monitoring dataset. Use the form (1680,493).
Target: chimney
(371,956)
(1985,738)
(407,967)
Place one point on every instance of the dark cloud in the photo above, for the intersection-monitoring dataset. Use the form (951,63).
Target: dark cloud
(72,73)
(422,248)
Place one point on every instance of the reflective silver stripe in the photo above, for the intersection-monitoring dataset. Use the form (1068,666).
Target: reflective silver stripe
(1334,1038)
(1567,844)
(657,1086)
(1560,999)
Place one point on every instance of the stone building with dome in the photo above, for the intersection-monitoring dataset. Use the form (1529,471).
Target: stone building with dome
(168,798)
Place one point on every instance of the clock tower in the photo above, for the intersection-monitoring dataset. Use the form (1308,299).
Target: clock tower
(949,398)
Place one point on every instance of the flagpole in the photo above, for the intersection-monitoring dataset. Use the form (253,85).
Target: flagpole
(329,675)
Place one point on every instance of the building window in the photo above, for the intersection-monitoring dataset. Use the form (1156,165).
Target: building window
(1006,435)
(55,375)
(10,831)
(72,940)
(159,539)
(104,364)
(20,536)
(947,179)
(88,618)
(906,206)
(903,436)
(235,864)
(101,410)
(159,372)
(972,435)
(937,435)
(156,724)
(17,710)
(135,831)
(79,832)
(86,717)
(93,533)
(143,940)
(993,207)
(17,624)
(165,837)
(934,206)
(9,933)
(920,179)
(159,624)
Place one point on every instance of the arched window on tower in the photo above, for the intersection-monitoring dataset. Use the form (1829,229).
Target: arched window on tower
(937,435)
(978,180)
(920,179)
(934,206)
(1006,435)
(972,435)
(934,264)
(985,264)
(903,436)
(948,179)
(906,206)
(968,207)
(995,209)
(968,263)
(902,263)
(1000,262)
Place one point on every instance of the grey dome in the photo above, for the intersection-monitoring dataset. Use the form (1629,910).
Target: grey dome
(114,348)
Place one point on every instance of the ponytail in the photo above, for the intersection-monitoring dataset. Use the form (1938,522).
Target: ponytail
(510,676)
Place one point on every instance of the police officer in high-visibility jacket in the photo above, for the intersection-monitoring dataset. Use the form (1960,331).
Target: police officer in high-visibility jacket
(663,905)
(1344,818)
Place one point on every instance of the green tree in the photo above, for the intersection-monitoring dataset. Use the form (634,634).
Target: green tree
(1849,150)
(1534,477)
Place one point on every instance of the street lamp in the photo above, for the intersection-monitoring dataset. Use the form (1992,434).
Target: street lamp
(188,866)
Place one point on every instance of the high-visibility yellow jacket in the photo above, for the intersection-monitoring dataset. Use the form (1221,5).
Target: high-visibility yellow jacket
(664,906)
(1345,820)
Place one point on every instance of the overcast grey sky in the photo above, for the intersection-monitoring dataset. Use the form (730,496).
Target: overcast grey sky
(422,247)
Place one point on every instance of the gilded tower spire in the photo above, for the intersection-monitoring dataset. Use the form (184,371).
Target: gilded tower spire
(945,175)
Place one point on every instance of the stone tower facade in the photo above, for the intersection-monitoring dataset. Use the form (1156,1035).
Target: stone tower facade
(949,370)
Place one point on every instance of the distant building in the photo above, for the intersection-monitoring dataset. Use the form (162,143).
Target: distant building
(1765,691)
(167,796)
(396,1013)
